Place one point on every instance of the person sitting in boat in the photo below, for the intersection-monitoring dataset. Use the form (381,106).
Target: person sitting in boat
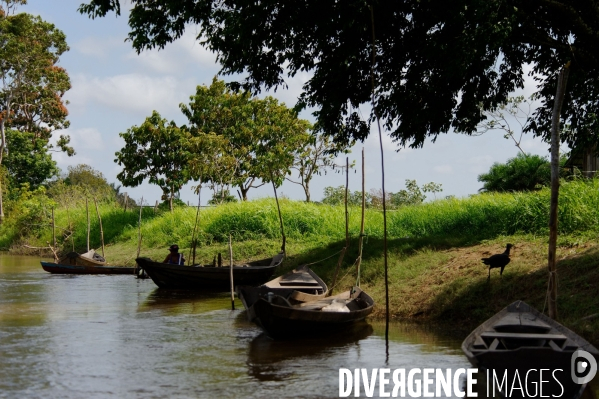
(174,258)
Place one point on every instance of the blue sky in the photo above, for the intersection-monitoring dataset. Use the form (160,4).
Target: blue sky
(114,88)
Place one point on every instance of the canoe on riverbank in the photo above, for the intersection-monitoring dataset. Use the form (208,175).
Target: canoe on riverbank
(87,263)
(518,341)
(297,286)
(198,277)
(281,319)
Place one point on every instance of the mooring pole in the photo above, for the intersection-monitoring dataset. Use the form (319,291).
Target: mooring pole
(231,273)
(101,229)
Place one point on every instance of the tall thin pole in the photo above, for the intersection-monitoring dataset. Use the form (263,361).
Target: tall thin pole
(361,239)
(383,185)
(101,230)
(346,229)
(280,216)
(552,260)
(88,224)
(54,237)
(231,273)
(70,229)
(195,226)
(141,207)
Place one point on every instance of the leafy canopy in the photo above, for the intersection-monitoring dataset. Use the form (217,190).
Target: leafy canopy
(257,138)
(435,64)
(521,173)
(156,151)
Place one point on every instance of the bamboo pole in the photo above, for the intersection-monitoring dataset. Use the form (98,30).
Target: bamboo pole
(141,207)
(101,230)
(378,121)
(195,226)
(54,237)
(126,201)
(231,273)
(346,229)
(551,257)
(361,239)
(280,216)
(88,224)
(70,229)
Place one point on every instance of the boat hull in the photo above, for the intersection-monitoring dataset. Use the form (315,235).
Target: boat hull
(518,342)
(203,278)
(58,268)
(297,286)
(280,321)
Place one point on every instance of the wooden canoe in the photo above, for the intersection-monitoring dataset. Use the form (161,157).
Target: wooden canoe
(297,286)
(198,277)
(87,263)
(281,319)
(520,339)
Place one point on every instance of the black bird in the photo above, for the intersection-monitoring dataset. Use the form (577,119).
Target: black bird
(498,260)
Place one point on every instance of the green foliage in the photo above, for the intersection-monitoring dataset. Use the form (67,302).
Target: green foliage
(222,197)
(314,157)
(32,83)
(411,195)
(28,160)
(336,196)
(28,215)
(155,151)
(81,182)
(480,217)
(521,173)
(258,136)
(432,67)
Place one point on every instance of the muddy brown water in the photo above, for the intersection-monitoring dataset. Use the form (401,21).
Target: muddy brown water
(67,336)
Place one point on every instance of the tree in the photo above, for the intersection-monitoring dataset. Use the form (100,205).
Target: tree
(78,184)
(314,157)
(521,173)
(32,85)
(428,67)
(435,66)
(258,136)
(28,160)
(515,111)
(156,151)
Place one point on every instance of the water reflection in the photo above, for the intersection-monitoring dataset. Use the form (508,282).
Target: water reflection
(267,357)
(120,337)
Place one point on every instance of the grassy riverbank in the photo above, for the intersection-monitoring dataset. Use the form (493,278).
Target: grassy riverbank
(435,272)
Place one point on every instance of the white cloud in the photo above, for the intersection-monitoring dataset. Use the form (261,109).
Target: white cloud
(125,93)
(86,139)
(185,54)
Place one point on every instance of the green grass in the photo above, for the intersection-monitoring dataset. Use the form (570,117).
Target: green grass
(434,249)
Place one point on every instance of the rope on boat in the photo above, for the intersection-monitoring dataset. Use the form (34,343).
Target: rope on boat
(322,260)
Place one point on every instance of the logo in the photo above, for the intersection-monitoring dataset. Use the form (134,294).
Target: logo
(583,367)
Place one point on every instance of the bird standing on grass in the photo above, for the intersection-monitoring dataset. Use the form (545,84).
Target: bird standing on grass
(498,260)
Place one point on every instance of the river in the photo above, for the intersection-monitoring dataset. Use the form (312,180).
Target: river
(65,336)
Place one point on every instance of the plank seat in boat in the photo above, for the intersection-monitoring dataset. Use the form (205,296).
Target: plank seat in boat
(491,334)
(299,280)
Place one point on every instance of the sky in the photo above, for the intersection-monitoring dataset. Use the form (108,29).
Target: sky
(114,88)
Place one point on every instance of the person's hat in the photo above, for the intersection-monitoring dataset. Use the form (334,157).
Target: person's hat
(174,247)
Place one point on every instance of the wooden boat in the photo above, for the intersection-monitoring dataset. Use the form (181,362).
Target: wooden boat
(297,286)
(280,318)
(87,263)
(209,277)
(520,340)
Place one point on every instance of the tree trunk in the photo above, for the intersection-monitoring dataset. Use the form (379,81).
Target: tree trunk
(2,147)
(553,213)
(307,191)
(244,192)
